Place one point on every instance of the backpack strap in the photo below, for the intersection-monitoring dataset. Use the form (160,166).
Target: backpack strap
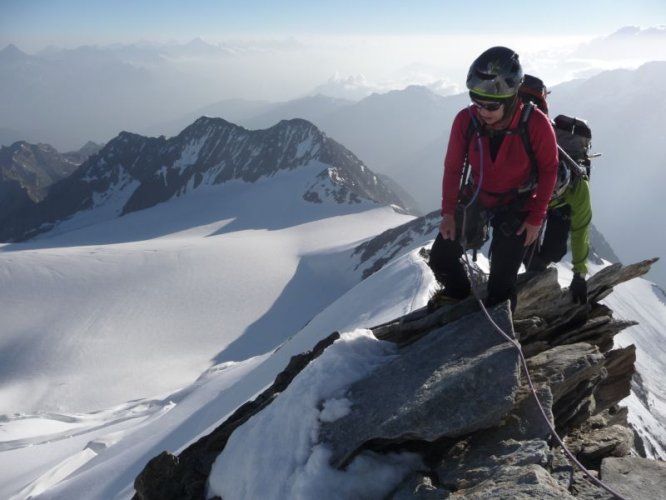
(528,108)
(473,127)
(523,131)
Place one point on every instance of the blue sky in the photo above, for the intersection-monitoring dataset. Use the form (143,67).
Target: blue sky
(36,23)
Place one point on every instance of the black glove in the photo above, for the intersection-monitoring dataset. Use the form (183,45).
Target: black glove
(578,289)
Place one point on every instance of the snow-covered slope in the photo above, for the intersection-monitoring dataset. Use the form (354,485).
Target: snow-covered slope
(146,318)
(645,302)
(167,289)
(141,334)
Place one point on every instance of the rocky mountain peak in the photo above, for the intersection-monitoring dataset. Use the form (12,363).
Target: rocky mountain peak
(206,124)
(145,171)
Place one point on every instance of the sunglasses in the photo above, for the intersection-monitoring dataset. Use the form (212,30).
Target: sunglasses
(488,106)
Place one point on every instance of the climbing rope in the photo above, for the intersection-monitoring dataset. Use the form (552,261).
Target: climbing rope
(471,270)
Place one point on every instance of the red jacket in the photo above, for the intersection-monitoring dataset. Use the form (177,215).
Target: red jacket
(511,168)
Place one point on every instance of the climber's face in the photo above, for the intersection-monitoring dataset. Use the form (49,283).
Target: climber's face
(491,112)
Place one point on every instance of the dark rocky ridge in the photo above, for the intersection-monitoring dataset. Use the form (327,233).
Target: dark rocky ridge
(146,171)
(579,379)
(27,171)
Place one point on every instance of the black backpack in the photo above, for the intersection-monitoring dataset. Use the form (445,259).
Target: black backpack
(574,137)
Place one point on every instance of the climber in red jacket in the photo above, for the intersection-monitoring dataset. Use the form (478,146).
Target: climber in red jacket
(508,187)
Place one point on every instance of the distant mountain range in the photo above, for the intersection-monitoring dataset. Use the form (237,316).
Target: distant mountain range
(134,172)
(65,97)
(402,134)
(630,42)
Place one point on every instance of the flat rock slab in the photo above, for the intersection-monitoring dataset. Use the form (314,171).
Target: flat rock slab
(454,381)
(516,483)
(635,478)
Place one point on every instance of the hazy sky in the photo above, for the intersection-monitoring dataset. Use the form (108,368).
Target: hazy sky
(280,50)
(33,24)
(389,42)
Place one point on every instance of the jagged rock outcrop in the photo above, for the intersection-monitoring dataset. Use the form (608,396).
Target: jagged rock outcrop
(27,173)
(133,172)
(470,387)
(504,448)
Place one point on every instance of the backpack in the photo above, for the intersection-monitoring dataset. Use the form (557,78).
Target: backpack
(534,90)
(574,136)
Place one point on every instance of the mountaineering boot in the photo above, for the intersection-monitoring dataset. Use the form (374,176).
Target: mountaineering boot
(442,297)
